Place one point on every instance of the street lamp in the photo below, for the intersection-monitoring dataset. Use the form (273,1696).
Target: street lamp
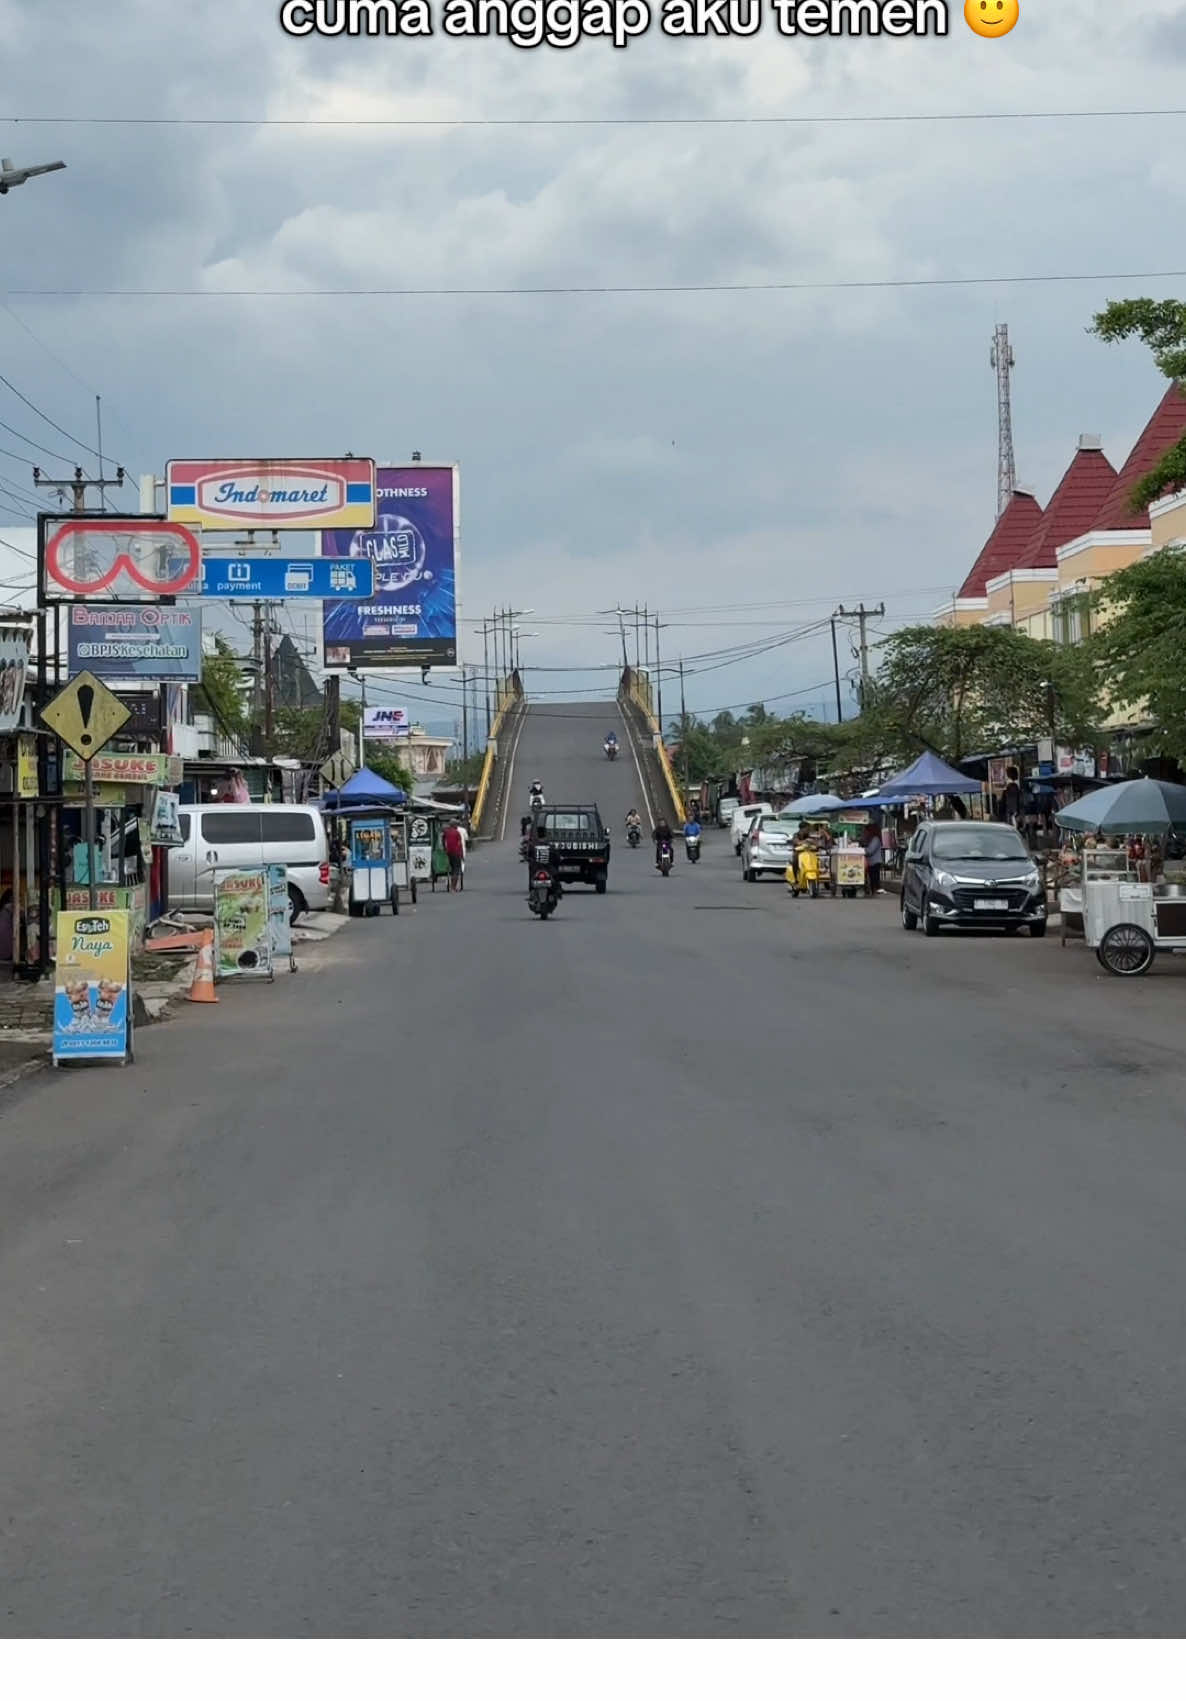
(516,634)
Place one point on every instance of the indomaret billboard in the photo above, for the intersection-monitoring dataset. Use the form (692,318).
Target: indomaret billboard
(410,619)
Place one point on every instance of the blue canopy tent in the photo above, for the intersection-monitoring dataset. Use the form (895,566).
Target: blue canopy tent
(365,790)
(929,776)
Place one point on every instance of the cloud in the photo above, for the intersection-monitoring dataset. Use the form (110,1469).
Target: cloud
(680,449)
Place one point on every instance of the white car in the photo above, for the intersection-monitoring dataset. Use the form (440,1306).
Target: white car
(766,848)
(725,810)
(742,820)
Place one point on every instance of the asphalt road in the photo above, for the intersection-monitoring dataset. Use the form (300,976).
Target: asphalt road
(702,1263)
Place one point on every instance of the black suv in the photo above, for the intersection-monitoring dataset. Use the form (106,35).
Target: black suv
(971,874)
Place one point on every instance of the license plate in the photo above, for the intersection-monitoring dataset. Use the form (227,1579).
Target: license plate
(570,868)
(990,903)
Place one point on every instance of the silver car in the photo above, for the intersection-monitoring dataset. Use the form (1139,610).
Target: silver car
(766,848)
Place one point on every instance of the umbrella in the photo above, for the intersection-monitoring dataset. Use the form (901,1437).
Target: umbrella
(929,776)
(1129,806)
(822,803)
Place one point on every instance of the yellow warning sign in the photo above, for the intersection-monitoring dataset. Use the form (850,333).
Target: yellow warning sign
(86,715)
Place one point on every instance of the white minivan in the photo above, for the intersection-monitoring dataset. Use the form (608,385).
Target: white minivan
(245,835)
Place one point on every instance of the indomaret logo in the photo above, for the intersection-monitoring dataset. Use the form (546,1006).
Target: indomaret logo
(251,496)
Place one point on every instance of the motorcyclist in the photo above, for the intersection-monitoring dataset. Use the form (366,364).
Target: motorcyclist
(536,800)
(544,854)
(661,836)
(524,836)
(611,738)
(691,835)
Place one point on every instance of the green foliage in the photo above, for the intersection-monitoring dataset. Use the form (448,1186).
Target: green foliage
(219,693)
(1161,326)
(961,691)
(389,767)
(466,771)
(1141,642)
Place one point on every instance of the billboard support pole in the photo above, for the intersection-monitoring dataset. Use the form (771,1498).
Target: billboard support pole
(88,795)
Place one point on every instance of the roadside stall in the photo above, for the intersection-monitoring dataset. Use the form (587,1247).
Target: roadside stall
(1131,897)
(809,874)
(369,827)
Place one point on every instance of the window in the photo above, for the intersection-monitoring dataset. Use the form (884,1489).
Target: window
(569,821)
(979,844)
(231,826)
(289,826)
(183,822)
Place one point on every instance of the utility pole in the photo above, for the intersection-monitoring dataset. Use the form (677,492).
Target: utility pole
(836,672)
(659,675)
(257,658)
(78,485)
(269,687)
(646,635)
(683,726)
(486,672)
(861,615)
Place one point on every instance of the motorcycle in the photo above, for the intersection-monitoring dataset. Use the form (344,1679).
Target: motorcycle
(693,849)
(665,858)
(611,751)
(803,873)
(536,801)
(634,837)
(541,898)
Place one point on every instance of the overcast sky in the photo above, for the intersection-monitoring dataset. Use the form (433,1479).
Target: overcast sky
(688,451)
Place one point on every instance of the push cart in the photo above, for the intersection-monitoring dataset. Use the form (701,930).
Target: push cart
(1128,922)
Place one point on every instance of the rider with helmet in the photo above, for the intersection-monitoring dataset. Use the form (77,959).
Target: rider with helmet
(661,836)
(536,800)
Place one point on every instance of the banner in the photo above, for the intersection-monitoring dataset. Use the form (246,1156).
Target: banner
(383,726)
(128,768)
(14,664)
(91,985)
(242,936)
(26,765)
(410,620)
(420,848)
(166,819)
(114,641)
(279,918)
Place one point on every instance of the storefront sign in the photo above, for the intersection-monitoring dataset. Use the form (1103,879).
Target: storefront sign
(242,935)
(92,1014)
(271,495)
(105,796)
(385,725)
(998,778)
(26,765)
(166,819)
(130,769)
(124,557)
(145,707)
(115,641)
(279,917)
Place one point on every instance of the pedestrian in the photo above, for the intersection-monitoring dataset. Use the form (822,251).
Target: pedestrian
(874,857)
(463,829)
(453,846)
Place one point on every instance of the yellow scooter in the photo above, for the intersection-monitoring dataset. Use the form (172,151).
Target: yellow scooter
(803,872)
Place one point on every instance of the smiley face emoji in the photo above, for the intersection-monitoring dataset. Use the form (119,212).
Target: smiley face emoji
(991,17)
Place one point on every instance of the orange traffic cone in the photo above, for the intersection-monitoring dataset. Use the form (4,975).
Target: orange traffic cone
(201,990)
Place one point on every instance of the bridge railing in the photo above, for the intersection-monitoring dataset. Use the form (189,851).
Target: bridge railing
(635,693)
(509,697)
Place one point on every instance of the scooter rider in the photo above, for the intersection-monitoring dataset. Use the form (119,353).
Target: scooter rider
(661,836)
(691,836)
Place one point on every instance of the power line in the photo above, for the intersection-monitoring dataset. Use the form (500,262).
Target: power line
(54,454)
(32,406)
(445,123)
(47,349)
(594,289)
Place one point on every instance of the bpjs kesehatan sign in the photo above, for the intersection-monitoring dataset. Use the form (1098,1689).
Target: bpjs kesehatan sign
(271,495)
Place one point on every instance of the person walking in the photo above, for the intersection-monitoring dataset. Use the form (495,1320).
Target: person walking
(874,858)
(453,846)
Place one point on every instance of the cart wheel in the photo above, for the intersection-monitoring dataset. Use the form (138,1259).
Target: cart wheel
(1126,950)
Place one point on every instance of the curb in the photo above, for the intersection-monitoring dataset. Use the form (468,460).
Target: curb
(30,1066)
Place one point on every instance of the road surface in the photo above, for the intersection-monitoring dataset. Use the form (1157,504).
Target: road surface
(703,1263)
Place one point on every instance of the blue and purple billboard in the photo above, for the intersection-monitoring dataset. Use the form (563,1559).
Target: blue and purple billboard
(410,620)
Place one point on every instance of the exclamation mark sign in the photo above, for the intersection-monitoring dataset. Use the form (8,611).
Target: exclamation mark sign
(86,702)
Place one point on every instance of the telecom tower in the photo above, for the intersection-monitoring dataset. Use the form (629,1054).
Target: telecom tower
(1001,360)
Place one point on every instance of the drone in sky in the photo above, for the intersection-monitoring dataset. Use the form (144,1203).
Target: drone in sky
(12,176)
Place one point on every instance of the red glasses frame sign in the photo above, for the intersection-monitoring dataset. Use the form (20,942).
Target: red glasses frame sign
(117,558)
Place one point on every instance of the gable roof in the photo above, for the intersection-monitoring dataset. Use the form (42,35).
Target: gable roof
(1167,427)
(1084,488)
(1005,543)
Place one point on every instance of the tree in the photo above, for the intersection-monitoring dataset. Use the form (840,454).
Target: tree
(1141,640)
(1161,326)
(220,692)
(961,691)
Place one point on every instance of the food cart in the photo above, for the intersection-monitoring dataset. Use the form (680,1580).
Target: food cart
(1131,902)
(369,812)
